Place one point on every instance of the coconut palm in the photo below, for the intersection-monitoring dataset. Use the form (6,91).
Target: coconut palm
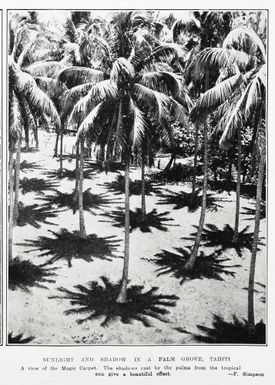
(237,90)
(27,102)
(136,88)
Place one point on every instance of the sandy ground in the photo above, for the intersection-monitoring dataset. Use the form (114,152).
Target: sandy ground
(39,315)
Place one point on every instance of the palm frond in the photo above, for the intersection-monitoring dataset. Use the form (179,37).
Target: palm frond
(216,95)
(153,103)
(244,38)
(49,69)
(217,57)
(256,90)
(72,96)
(74,76)
(99,92)
(88,123)
(50,87)
(139,127)
(36,98)
(165,82)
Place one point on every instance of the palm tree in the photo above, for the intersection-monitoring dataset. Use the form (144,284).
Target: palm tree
(233,97)
(27,102)
(114,111)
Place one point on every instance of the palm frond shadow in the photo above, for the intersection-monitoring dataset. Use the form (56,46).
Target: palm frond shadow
(247,190)
(211,266)
(66,173)
(152,220)
(70,201)
(29,166)
(19,339)
(68,245)
(261,290)
(192,201)
(235,332)
(99,301)
(23,275)
(212,236)
(100,167)
(36,185)
(29,149)
(250,212)
(118,186)
(34,215)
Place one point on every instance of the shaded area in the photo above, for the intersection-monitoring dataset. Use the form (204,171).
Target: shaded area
(99,301)
(250,212)
(178,173)
(19,339)
(100,166)
(29,149)
(34,215)
(70,201)
(212,236)
(192,201)
(24,274)
(211,266)
(152,220)
(36,185)
(68,246)
(29,166)
(235,332)
(70,174)
(118,186)
(247,190)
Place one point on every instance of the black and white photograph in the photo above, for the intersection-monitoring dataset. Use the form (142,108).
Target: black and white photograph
(137,177)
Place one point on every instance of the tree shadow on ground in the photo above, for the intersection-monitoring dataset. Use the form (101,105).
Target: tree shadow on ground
(235,332)
(212,236)
(247,190)
(211,266)
(29,166)
(250,212)
(36,185)
(68,245)
(189,200)
(99,301)
(19,339)
(34,215)
(70,201)
(29,149)
(24,275)
(118,186)
(152,220)
(100,167)
(261,289)
(65,173)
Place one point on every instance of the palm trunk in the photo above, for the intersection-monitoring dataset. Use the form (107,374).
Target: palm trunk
(195,159)
(192,259)
(76,188)
(56,145)
(251,319)
(61,153)
(122,297)
(82,230)
(35,133)
(238,190)
(169,164)
(11,186)
(143,203)
(16,181)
